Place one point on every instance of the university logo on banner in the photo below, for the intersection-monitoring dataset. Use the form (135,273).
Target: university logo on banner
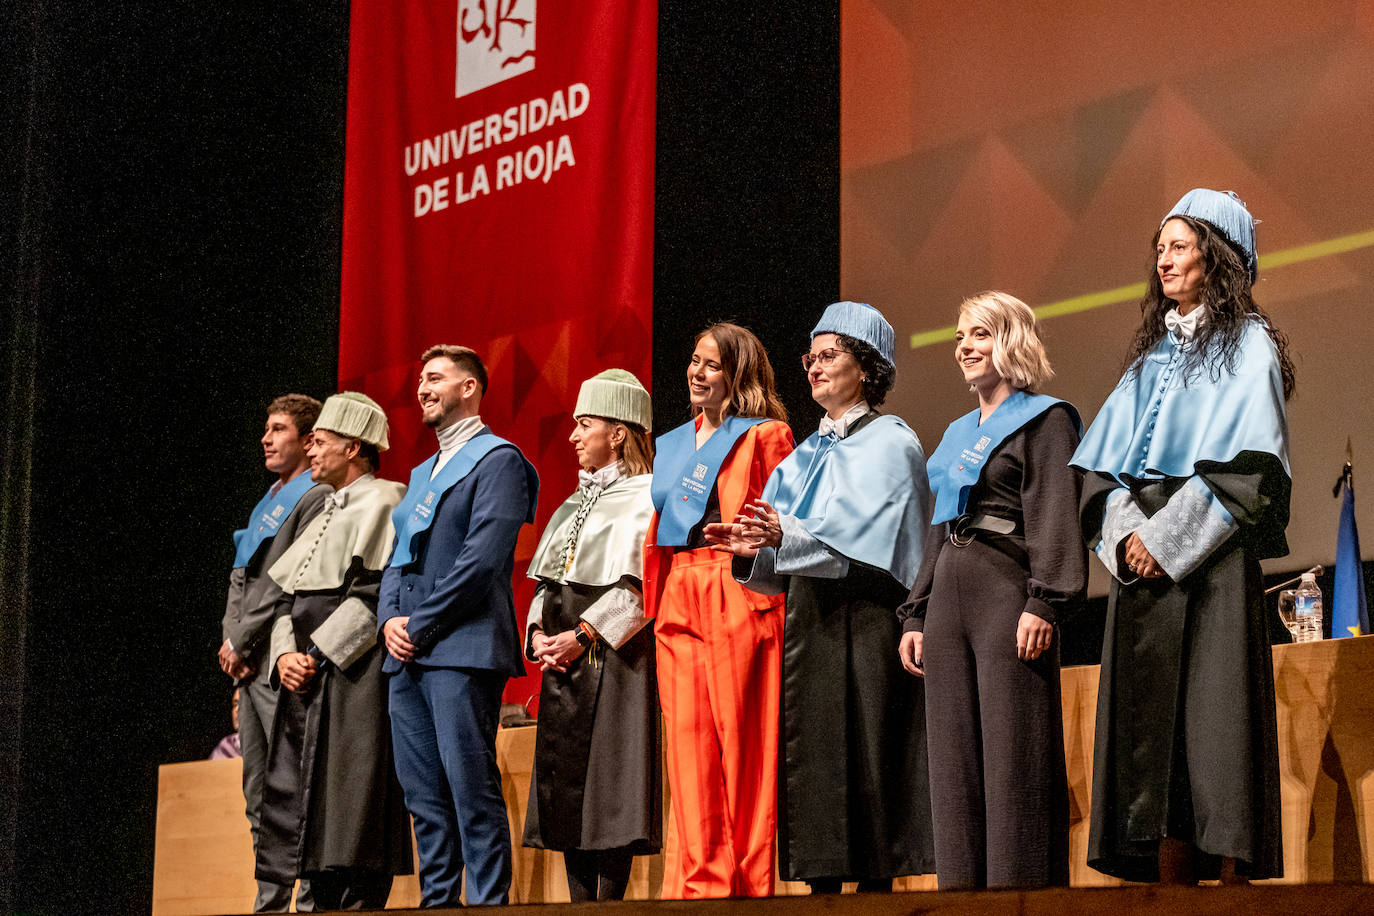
(495,42)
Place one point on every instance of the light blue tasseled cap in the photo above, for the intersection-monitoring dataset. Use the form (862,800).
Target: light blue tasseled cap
(1227,212)
(862,322)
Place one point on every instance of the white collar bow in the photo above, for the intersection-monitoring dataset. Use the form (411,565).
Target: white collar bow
(339,498)
(1185,327)
(599,479)
(841,426)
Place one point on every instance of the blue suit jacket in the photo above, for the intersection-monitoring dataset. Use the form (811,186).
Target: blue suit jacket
(457,592)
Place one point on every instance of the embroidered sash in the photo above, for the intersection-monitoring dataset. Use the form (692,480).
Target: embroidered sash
(959,461)
(684,475)
(415,512)
(267,517)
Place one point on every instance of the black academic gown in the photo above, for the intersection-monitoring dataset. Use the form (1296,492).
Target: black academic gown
(853,789)
(597,783)
(1187,743)
(331,797)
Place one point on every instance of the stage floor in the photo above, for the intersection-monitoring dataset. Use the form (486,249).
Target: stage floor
(1309,900)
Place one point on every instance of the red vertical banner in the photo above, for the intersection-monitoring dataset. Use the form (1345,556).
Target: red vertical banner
(498,193)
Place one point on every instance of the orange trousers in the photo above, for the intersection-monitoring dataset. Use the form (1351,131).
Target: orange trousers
(719,681)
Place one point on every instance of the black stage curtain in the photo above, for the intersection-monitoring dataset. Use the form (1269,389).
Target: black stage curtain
(172,197)
(747,186)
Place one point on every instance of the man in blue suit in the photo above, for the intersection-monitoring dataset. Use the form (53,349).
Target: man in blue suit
(448,623)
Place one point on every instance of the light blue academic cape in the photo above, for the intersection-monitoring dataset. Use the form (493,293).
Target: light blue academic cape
(864,496)
(1153,425)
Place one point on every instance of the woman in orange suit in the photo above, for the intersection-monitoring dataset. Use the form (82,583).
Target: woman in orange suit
(719,644)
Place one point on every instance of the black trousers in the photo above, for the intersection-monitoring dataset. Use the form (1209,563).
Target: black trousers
(597,874)
(350,889)
(998,787)
(257,707)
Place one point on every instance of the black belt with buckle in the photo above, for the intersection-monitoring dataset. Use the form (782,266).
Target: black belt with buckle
(964,528)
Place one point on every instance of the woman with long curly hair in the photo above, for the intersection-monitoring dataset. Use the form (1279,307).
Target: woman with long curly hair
(719,645)
(1186,490)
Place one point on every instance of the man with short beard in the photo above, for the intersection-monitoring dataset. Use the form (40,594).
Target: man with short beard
(289,505)
(448,621)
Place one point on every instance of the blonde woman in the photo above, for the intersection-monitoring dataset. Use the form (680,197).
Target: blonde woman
(1004,563)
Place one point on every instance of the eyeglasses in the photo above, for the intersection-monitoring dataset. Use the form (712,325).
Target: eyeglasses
(826,358)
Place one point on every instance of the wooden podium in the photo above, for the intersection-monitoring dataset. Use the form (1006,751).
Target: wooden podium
(203,861)
(1325,702)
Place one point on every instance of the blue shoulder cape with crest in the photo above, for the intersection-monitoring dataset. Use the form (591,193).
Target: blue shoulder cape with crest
(864,496)
(1157,424)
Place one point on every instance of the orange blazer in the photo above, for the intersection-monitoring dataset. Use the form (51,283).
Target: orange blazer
(740,482)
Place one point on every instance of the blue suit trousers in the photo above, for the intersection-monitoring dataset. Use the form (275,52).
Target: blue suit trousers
(443,733)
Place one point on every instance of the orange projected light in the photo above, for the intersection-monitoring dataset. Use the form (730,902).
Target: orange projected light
(1030,147)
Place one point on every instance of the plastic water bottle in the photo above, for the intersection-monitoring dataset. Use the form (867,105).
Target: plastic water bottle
(1307,601)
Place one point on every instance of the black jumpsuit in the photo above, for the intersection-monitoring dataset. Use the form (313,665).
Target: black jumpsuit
(999,792)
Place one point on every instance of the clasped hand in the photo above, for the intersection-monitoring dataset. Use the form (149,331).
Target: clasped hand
(231,663)
(748,534)
(397,639)
(556,653)
(1139,560)
(296,670)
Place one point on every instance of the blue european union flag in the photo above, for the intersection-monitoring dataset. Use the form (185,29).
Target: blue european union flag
(1350,612)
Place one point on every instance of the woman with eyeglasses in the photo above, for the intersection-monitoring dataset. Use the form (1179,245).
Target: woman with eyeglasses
(1004,565)
(839,529)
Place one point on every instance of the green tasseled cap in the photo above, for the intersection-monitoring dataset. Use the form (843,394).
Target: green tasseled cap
(617,395)
(353,414)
